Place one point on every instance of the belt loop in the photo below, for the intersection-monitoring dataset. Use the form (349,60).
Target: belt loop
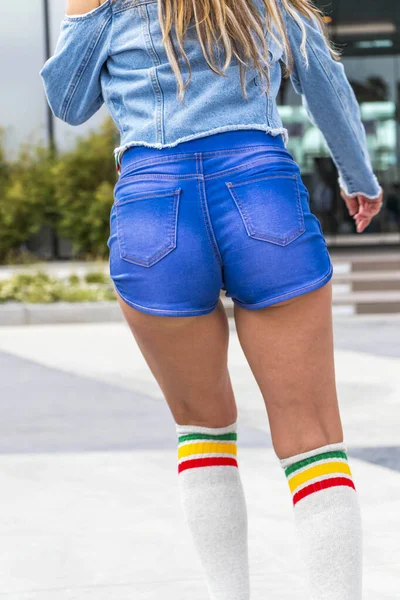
(116,157)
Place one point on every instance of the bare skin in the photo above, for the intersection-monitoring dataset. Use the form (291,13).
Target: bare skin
(362,209)
(289,347)
(188,358)
(80,7)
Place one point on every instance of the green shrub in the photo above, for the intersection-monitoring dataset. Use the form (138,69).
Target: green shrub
(42,288)
(85,179)
(20,256)
(97,277)
(72,193)
(26,197)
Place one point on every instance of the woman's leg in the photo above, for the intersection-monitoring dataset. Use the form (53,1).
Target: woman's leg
(289,347)
(188,358)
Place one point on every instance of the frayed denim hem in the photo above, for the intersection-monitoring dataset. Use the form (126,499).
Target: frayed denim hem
(274,131)
(343,186)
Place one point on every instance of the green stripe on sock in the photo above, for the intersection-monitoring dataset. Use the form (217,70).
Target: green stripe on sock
(311,459)
(207,436)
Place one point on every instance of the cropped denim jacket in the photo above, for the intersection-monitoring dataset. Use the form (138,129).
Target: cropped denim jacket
(114,55)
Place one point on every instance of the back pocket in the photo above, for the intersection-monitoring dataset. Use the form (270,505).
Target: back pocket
(270,207)
(147,226)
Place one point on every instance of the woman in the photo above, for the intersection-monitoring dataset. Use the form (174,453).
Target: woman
(209,198)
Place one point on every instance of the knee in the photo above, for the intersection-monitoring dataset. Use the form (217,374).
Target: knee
(193,414)
(291,445)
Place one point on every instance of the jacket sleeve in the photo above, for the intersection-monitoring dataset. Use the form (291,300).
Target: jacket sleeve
(72,76)
(332,106)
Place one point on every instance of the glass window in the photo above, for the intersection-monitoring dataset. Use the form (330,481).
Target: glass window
(376,83)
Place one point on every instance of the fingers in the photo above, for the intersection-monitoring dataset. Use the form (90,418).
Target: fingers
(361,223)
(351,203)
(367,210)
(362,209)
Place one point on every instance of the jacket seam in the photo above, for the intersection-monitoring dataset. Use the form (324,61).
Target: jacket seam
(81,70)
(159,97)
(108,87)
(133,5)
(329,78)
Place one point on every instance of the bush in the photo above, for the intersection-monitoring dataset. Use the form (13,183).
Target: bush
(26,197)
(84,183)
(97,277)
(42,288)
(72,193)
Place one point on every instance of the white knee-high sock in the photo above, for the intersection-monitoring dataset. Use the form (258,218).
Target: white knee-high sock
(214,505)
(328,521)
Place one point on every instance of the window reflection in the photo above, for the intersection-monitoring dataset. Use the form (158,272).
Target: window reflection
(376,83)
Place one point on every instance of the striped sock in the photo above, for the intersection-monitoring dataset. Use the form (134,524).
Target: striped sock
(214,505)
(328,521)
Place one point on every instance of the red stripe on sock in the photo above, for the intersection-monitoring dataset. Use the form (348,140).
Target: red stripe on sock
(322,485)
(207,462)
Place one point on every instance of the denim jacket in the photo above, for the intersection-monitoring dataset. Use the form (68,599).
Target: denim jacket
(114,55)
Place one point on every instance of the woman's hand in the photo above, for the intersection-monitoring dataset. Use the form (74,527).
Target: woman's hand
(362,209)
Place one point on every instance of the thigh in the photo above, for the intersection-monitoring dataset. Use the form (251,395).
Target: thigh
(188,358)
(289,347)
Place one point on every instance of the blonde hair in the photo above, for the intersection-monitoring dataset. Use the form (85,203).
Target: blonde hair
(241,29)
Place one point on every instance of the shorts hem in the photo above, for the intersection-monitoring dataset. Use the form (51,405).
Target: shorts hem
(297,292)
(165,312)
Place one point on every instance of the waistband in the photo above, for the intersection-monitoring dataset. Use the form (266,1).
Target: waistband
(217,141)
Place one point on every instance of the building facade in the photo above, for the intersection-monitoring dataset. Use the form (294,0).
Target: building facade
(368,35)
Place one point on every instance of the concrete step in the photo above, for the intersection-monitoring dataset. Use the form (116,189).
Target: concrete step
(366,297)
(366,262)
(359,281)
(362,255)
(370,240)
(351,302)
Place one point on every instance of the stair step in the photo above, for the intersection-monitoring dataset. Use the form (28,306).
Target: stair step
(369,240)
(367,262)
(382,297)
(366,276)
(359,281)
(360,302)
(365,257)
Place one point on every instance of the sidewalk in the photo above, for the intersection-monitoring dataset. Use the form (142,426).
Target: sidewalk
(90,506)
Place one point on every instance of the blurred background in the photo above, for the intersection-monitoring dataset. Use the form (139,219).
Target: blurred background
(90,507)
(43,222)
(370,41)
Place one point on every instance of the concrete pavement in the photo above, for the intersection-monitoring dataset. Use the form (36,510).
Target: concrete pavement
(90,506)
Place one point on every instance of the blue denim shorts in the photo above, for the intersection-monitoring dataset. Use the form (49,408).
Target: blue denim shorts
(227,211)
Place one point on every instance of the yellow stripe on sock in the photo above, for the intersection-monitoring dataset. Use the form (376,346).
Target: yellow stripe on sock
(318,471)
(206,448)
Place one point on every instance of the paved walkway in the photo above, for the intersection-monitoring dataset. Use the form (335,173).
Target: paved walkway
(89,496)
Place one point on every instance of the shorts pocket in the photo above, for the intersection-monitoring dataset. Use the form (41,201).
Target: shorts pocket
(270,207)
(147,226)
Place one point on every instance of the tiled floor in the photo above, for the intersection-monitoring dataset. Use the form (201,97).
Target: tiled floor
(90,507)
